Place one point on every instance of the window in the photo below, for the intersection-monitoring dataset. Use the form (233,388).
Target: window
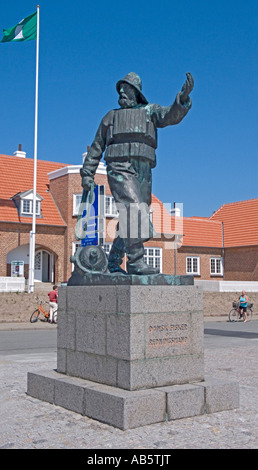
(37,264)
(76,203)
(216,266)
(107,247)
(110,207)
(75,247)
(193,265)
(27,207)
(153,257)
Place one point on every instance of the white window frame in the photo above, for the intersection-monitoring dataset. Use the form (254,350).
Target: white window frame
(154,255)
(30,203)
(107,248)
(112,212)
(75,246)
(76,203)
(217,272)
(191,271)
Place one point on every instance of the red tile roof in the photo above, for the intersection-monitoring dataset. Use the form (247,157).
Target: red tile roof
(202,232)
(196,231)
(240,222)
(17,176)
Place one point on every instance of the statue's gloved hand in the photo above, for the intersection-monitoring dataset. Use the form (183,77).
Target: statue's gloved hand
(87,183)
(186,88)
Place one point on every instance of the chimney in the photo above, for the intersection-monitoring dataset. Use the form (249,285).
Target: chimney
(19,152)
(175,212)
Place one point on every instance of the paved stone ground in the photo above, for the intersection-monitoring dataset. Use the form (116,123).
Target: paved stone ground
(27,423)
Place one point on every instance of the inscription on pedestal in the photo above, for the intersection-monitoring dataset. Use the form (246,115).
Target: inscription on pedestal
(167,337)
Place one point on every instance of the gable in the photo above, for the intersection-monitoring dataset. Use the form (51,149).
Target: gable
(27,195)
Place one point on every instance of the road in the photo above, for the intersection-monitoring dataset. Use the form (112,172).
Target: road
(228,335)
(28,342)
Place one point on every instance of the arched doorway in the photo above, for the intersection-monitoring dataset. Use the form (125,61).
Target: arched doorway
(44,266)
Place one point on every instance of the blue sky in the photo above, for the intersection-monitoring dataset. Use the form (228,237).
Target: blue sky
(211,157)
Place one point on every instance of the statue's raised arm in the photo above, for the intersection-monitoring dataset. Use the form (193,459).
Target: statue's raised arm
(186,89)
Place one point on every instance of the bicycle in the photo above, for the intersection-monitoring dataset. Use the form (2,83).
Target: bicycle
(236,314)
(41,314)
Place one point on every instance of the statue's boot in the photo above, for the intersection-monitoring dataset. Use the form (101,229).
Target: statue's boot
(136,264)
(115,258)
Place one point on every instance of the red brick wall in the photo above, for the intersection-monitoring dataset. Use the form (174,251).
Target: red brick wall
(10,238)
(241,264)
(204,255)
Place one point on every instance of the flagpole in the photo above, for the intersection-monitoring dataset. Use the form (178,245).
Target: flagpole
(33,231)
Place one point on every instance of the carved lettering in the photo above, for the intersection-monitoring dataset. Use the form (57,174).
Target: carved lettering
(157,328)
(162,335)
(156,343)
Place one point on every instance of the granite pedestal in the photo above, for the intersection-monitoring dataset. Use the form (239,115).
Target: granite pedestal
(131,355)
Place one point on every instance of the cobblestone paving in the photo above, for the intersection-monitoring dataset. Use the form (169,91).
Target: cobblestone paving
(27,423)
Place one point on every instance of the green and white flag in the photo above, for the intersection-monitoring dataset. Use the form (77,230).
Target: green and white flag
(26,30)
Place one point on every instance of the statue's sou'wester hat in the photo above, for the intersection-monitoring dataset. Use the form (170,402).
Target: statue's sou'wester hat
(134,80)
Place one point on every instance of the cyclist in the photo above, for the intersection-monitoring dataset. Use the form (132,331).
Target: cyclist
(243,300)
(53,296)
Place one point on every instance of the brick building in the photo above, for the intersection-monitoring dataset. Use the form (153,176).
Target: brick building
(224,246)
(240,239)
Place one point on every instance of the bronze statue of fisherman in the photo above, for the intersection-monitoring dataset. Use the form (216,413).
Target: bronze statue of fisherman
(129,138)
